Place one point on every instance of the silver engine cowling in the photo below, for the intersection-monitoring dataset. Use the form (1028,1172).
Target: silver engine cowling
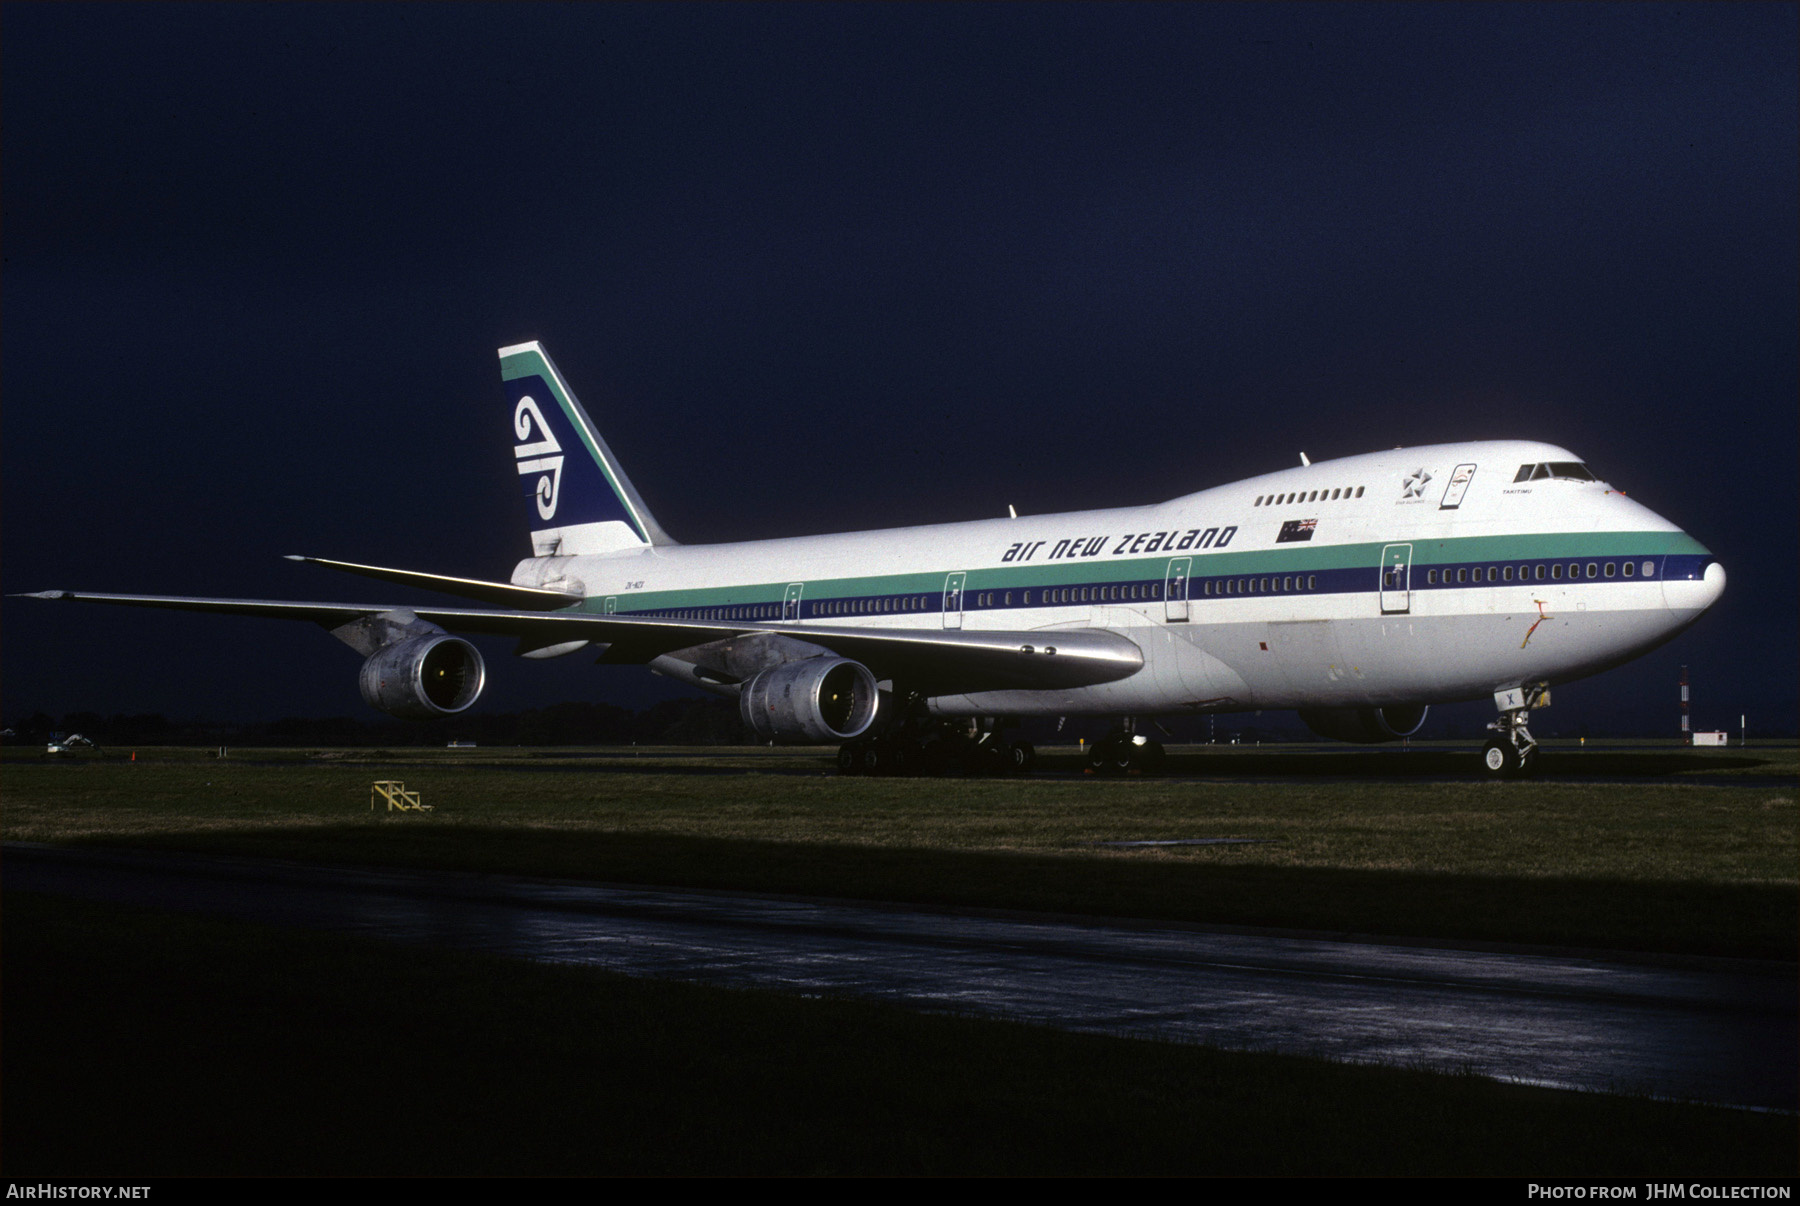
(424,678)
(819,699)
(1366,725)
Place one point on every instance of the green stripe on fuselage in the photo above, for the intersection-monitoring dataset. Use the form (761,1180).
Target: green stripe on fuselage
(1101,570)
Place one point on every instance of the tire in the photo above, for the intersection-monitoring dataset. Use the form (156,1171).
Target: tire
(1528,765)
(1022,756)
(1499,760)
(1147,758)
(903,758)
(1111,755)
(849,758)
(990,758)
(944,758)
(876,758)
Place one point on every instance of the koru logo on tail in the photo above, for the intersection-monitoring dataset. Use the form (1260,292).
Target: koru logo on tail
(541,456)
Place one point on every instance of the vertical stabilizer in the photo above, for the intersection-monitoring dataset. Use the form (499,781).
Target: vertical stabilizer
(578,499)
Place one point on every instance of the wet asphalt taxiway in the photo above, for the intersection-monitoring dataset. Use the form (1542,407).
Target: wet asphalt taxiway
(1705,1030)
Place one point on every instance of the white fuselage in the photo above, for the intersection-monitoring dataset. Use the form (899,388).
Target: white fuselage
(1413,576)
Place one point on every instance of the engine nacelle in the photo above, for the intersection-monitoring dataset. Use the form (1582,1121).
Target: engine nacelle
(819,699)
(1366,725)
(424,678)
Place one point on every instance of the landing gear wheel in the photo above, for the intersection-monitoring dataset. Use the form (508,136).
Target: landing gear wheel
(876,758)
(903,757)
(1148,757)
(944,756)
(1499,759)
(1528,763)
(849,758)
(1022,756)
(988,758)
(1111,755)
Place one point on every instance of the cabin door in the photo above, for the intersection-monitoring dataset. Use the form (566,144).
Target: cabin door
(790,601)
(1396,579)
(953,603)
(1175,590)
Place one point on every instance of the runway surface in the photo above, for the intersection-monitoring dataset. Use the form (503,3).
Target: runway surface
(1714,1031)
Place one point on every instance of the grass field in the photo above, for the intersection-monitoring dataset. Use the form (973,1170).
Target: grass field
(1656,864)
(141,1043)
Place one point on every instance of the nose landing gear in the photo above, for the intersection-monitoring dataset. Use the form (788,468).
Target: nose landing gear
(1512,752)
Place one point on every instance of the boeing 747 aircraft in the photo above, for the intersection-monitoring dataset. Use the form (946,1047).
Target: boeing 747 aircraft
(1358,591)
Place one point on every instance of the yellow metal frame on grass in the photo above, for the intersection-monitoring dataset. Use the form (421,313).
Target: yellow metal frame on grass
(397,797)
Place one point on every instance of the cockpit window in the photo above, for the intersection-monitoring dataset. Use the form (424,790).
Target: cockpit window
(1572,470)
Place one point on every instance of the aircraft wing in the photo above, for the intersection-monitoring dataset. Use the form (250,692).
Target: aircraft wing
(932,661)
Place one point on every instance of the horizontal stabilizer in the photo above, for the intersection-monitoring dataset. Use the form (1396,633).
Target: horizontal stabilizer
(529,598)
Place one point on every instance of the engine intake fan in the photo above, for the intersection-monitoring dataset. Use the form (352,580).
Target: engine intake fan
(424,678)
(819,700)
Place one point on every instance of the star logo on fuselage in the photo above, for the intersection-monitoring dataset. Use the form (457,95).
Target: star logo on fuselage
(1415,483)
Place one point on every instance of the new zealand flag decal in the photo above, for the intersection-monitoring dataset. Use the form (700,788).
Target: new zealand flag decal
(1296,529)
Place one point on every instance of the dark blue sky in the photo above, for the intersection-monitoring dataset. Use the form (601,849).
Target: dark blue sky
(827,267)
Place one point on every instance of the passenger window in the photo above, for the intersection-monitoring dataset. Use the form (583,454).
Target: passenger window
(1359,491)
(1630,568)
(1649,569)
(1430,577)
(1312,582)
(1594,570)
(1556,572)
(1609,569)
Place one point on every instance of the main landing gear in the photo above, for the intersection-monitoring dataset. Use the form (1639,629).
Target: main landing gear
(940,748)
(1125,753)
(1512,752)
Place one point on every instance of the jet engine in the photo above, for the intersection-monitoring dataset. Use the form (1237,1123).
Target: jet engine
(818,699)
(424,678)
(1366,725)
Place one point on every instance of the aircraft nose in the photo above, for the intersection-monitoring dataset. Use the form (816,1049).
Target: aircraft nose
(1691,596)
